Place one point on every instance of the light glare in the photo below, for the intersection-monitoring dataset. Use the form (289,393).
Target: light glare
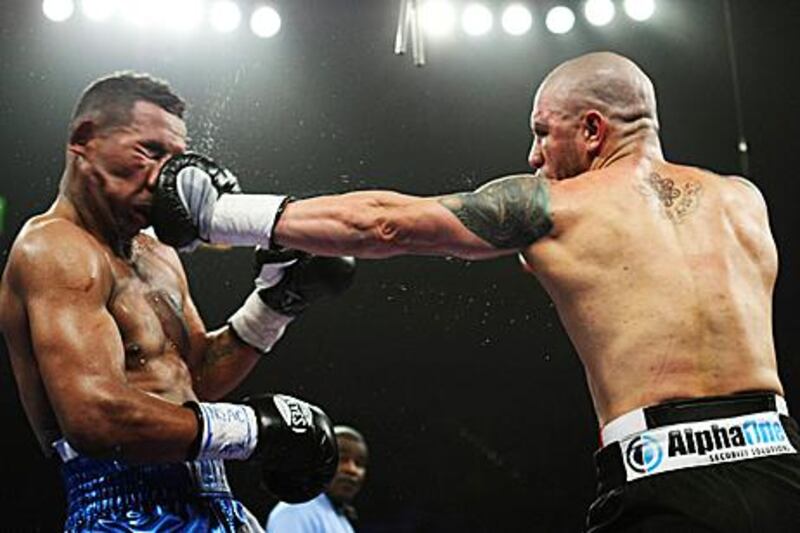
(98,10)
(265,22)
(438,17)
(560,19)
(182,15)
(517,19)
(640,10)
(599,12)
(140,13)
(58,10)
(476,19)
(225,16)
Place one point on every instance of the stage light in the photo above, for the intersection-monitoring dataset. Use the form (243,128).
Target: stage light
(181,15)
(438,17)
(225,16)
(141,13)
(599,12)
(265,22)
(58,10)
(98,10)
(476,19)
(640,10)
(560,19)
(517,19)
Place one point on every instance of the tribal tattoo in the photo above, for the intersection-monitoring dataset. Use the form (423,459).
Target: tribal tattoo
(511,212)
(676,202)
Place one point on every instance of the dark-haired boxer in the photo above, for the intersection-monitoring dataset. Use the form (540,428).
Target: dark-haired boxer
(114,366)
(661,273)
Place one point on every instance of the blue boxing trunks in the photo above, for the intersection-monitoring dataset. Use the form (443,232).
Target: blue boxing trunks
(113,495)
(723,464)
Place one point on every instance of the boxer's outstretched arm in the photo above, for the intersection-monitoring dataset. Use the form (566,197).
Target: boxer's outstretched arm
(498,218)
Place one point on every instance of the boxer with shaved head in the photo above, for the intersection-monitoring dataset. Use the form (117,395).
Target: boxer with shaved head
(661,273)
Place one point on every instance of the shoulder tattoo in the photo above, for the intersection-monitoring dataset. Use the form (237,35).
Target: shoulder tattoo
(511,212)
(676,201)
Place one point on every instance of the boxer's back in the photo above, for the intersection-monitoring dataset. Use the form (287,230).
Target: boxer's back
(663,277)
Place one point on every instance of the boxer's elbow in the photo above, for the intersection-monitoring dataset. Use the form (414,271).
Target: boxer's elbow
(382,235)
(378,230)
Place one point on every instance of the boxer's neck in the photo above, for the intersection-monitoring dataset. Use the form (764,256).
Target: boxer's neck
(77,203)
(642,145)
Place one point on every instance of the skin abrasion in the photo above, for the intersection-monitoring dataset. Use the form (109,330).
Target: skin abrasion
(512,212)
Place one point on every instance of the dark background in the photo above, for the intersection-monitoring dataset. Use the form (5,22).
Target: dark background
(459,374)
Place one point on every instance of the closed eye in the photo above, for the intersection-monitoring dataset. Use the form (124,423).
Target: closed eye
(154,150)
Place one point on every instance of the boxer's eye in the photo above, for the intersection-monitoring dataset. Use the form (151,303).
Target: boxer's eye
(154,150)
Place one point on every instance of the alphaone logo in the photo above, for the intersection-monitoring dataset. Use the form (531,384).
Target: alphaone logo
(644,454)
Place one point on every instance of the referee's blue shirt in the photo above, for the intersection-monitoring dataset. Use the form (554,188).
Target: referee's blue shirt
(315,516)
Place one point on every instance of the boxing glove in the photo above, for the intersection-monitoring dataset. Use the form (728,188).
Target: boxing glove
(292,440)
(196,201)
(287,282)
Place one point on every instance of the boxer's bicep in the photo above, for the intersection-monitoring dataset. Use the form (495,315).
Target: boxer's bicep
(507,214)
(74,338)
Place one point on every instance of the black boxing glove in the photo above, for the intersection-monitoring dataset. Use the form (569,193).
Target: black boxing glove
(308,279)
(287,282)
(196,200)
(291,439)
(299,455)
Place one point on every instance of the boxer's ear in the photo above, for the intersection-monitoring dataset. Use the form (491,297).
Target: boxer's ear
(594,126)
(83,132)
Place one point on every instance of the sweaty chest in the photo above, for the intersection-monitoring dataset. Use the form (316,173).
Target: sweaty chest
(147,304)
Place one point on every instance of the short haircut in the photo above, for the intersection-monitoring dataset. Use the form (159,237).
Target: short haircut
(110,99)
(349,432)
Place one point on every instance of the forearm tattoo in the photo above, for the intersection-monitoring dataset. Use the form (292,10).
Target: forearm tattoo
(511,212)
(223,346)
(675,201)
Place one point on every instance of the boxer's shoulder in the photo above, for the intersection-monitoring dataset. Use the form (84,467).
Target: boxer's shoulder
(52,250)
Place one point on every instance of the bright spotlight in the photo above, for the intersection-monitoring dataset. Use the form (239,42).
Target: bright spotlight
(560,19)
(438,17)
(141,13)
(181,15)
(58,10)
(599,12)
(98,10)
(225,16)
(640,9)
(517,19)
(476,19)
(265,22)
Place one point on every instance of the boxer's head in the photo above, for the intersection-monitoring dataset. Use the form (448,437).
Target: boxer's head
(353,458)
(122,130)
(585,108)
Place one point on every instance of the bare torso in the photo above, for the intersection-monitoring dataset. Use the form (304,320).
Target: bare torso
(663,277)
(145,297)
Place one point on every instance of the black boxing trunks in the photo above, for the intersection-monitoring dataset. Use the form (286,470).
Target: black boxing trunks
(113,495)
(723,464)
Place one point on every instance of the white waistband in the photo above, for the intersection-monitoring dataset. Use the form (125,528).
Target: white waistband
(64,450)
(634,422)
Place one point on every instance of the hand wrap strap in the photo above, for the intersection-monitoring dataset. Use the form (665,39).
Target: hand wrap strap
(258,325)
(226,431)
